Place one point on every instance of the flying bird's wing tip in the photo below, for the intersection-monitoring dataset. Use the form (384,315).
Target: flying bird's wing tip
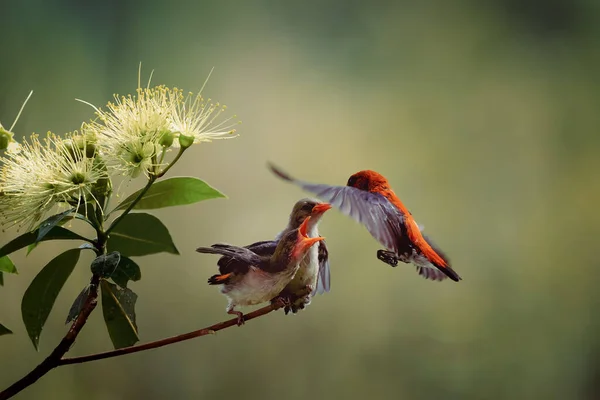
(277,171)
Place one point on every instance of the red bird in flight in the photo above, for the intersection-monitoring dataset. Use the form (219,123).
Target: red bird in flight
(369,199)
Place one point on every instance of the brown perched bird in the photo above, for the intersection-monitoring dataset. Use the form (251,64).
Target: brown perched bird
(257,278)
(313,274)
(369,199)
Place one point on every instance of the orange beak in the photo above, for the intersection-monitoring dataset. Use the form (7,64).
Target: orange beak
(308,242)
(303,229)
(305,241)
(321,208)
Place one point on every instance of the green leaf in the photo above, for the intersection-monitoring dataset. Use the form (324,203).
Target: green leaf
(105,264)
(61,222)
(86,245)
(6,265)
(127,271)
(78,304)
(42,292)
(4,330)
(56,233)
(172,192)
(50,223)
(31,247)
(141,234)
(118,307)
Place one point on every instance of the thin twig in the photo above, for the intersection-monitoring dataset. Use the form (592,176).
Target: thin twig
(174,339)
(55,359)
(151,180)
(177,157)
(52,361)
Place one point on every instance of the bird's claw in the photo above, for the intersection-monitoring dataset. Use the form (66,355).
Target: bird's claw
(281,301)
(240,317)
(300,301)
(309,289)
(388,257)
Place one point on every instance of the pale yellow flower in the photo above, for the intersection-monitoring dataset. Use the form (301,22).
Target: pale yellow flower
(45,173)
(130,129)
(135,131)
(194,117)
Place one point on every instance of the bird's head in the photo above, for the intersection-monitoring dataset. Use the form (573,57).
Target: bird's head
(369,181)
(305,208)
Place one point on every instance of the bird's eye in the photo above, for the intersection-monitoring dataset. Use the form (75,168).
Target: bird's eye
(307,207)
(359,182)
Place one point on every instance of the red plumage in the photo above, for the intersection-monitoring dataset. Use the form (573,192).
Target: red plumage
(369,199)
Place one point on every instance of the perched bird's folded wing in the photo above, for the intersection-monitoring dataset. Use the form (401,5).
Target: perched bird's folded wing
(244,257)
(384,221)
(228,264)
(263,248)
(324,279)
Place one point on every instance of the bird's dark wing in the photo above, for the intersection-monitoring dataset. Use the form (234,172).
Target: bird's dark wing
(263,248)
(324,279)
(384,221)
(228,264)
(244,257)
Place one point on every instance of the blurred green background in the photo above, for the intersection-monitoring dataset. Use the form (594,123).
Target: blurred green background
(485,117)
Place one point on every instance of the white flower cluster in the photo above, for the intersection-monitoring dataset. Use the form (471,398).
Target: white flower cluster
(47,172)
(130,136)
(134,131)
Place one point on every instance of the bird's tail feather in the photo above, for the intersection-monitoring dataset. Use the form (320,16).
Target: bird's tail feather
(219,279)
(221,249)
(227,250)
(451,273)
(443,267)
(237,253)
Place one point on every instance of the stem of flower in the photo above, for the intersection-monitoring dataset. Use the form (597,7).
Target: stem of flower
(151,180)
(162,155)
(177,157)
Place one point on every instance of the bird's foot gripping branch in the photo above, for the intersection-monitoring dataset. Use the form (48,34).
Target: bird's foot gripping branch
(50,184)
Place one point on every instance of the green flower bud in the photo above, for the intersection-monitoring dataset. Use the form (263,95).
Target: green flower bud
(103,187)
(166,140)
(6,138)
(185,141)
(80,142)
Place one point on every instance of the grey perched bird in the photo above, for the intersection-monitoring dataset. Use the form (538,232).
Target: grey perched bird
(313,274)
(256,278)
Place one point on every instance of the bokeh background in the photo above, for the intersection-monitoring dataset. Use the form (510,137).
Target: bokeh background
(485,117)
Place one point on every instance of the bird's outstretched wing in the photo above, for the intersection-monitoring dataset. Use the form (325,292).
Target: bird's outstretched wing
(324,279)
(373,210)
